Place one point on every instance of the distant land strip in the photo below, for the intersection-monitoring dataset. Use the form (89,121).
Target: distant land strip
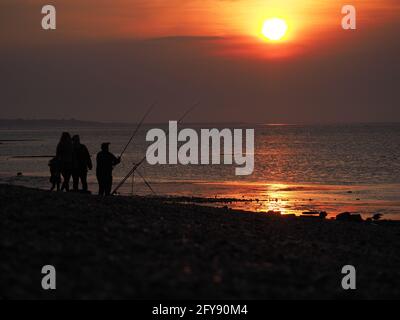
(34,156)
(71,123)
(19,140)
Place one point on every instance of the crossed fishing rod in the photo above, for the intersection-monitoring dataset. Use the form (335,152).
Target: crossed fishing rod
(137,165)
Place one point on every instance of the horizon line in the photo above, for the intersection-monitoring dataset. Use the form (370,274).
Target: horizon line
(116,122)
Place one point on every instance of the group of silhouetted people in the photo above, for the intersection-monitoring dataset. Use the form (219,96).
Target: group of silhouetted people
(73,160)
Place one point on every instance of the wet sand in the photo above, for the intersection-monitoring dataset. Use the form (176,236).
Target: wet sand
(140,248)
(366,200)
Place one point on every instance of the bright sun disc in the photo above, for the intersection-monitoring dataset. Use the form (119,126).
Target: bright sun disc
(274,29)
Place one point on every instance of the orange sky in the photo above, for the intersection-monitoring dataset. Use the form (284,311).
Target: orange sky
(121,53)
(155,18)
(310,21)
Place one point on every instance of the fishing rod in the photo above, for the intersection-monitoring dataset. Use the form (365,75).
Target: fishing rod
(138,127)
(146,183)
(144,158)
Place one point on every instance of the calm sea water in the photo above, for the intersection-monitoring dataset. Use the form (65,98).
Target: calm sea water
(297,167)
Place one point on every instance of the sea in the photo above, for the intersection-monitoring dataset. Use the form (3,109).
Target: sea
(297,168)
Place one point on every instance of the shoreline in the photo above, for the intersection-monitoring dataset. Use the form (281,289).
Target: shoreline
(287,198)
(142,248)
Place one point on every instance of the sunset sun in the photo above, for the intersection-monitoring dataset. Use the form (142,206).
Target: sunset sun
(274,29)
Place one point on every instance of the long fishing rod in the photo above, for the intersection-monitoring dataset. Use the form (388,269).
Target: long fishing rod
(138,127)
(144,158)
(146,183)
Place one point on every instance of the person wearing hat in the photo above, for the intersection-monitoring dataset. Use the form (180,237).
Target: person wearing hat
(105,165)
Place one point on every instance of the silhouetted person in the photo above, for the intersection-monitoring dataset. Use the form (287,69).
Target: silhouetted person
(64,156)
(105,164)
(55,171)
(81,163)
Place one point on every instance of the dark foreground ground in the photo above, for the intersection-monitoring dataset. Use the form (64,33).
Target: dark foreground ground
(141,248)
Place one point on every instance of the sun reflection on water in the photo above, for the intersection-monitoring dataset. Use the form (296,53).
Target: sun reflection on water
(276,199)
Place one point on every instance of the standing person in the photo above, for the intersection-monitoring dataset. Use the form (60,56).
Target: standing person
(105,164)
(81,164)
(64,156)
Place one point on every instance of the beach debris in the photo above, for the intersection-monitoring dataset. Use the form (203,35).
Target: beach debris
(320,214)
(323,214)
(347,216)
(377,216)
(311,212)
(274,213)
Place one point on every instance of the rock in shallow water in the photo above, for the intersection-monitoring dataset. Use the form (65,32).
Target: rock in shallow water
(347,216)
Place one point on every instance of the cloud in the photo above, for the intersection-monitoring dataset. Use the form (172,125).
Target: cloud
(189,38)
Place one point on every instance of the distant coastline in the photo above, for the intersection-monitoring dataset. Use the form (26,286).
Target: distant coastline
(54,123)
(76,123)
